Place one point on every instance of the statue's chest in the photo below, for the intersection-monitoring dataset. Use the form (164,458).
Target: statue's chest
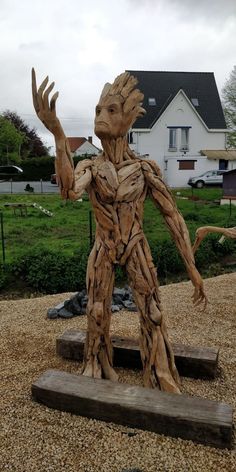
(122,184)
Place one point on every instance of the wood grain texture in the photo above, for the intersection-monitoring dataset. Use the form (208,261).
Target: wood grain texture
(202,232)
(196,362)
(118,182)
(196,419)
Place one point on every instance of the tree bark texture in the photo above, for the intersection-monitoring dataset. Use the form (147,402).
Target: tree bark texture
(118,182)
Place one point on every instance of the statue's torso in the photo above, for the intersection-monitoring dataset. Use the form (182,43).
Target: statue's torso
(117,193)
(117,183)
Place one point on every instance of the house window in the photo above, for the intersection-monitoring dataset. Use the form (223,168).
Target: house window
(152,101)
(130,138)
(195,102)
(184,146)
(223,164)
(187,165)
(172,139)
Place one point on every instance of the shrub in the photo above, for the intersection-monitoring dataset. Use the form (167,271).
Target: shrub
(51,272)
(36,168)
(168,261)
(192,216)
(3,278)
(166,258)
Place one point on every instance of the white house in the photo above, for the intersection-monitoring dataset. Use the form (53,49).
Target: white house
(184,124)
(80,146)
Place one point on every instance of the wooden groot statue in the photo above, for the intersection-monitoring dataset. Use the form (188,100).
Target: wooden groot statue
(118,182)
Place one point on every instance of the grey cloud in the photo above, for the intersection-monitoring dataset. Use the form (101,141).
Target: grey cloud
(212,10)
(32,46)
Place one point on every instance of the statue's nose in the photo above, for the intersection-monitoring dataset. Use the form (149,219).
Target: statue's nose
(103,115)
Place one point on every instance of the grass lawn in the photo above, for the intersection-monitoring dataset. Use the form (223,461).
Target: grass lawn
(69,226)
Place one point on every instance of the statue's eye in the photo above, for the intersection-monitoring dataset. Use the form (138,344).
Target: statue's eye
(98,111)
(111,110)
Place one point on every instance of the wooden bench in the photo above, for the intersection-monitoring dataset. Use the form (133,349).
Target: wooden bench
(22,207)
(196,362)
(197,419)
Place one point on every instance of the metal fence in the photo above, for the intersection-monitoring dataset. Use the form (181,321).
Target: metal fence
(38,187)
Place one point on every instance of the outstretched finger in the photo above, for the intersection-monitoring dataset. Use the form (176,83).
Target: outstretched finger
(46,94)
(53,101)
(34,91)
(40,92)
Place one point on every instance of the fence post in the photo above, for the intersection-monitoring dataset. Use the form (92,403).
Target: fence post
(11,185)
(2,238)
(41,183)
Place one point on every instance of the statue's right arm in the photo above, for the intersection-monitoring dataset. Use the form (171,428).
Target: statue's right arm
(72,183)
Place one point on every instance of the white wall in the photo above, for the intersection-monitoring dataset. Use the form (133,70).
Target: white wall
(87,148)
(179,178)
(156,142)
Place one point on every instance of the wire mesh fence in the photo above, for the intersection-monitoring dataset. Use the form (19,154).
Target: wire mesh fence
(38,187)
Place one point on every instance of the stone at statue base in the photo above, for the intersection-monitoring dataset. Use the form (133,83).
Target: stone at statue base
(76,305)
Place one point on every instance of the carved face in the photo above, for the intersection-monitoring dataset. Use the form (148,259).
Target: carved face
(110,121)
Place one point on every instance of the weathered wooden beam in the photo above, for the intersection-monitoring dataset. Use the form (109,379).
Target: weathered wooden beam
(197,419)
(196,362)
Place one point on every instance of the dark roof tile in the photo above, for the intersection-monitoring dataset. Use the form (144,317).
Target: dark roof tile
(163,86)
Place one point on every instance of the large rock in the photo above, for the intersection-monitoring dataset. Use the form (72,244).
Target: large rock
(76,305)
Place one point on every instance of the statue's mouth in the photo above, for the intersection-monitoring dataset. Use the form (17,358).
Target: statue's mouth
(101,123)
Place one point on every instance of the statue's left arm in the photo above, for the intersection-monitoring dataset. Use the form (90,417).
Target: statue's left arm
(163,199)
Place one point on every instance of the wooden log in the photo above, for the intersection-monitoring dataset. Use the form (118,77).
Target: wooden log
(204,421)
(196,362)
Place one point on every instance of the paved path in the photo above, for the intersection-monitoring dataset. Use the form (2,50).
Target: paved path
(19,187)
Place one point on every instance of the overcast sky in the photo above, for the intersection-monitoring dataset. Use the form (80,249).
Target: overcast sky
(83,44)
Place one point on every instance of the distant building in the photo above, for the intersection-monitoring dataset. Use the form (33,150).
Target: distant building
(80,146)
(184,129)
(229,187)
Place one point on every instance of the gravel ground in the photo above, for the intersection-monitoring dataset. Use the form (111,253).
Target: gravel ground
(35,438)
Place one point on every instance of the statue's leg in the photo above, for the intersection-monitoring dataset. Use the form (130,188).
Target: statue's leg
(98,348)
(159,368)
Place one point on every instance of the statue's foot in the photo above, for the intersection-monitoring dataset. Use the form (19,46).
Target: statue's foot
(98,368)
(163,381)
(92,369)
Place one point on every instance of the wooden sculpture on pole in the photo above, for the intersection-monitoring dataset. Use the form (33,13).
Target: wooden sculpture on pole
(118,182)
(202,232)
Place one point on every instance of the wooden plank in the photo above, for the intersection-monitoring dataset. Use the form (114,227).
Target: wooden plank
(197,419)
(196,362)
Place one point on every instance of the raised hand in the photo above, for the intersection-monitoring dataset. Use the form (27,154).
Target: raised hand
(45,109)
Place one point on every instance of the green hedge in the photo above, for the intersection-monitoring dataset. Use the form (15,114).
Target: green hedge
(48,271)
(51,272)
(36,168)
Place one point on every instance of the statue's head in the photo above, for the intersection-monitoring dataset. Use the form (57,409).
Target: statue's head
(118,108)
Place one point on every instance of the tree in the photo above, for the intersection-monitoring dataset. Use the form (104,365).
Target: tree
(33,145)
(11,141)
(229,106)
